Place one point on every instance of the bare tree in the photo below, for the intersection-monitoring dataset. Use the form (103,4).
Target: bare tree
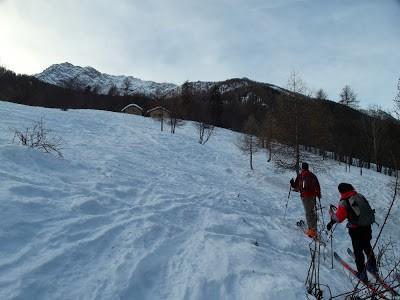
(3,70)
(376,131)
(72,83)
(321,95)
(176,113)
(293,123)
(216,105)
(397,101)
(113,90)
(201,113)
(205,131)
(126,86)
(96,89)
(348,97)
(321,123)
(267,131)
(248,142)
(161,100)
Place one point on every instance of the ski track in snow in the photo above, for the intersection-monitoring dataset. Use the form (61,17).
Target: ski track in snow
(135,213)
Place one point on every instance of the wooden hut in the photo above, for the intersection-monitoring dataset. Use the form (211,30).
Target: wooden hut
(133,109)
(158,112)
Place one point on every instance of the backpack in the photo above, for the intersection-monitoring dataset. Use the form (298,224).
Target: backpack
(361,211)
(307,183)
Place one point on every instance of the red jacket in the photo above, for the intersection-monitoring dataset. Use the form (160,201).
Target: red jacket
(307,184)
(342,213)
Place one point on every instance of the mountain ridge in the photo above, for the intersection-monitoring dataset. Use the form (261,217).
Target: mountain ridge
(71,76)
(68,75)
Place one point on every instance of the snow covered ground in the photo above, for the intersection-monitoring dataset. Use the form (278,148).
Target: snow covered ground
(135,213)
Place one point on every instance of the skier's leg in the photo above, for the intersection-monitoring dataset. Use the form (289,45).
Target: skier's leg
(367,236)
(357,248)
(309,209)
(371,264)
(314,213)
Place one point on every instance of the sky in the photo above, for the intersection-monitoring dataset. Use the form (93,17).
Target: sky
(330,44)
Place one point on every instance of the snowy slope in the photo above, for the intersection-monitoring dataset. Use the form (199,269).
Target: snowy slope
(66,74)
(135,213)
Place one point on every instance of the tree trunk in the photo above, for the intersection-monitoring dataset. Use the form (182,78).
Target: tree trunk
(270,152)
(297,146)
(251,157)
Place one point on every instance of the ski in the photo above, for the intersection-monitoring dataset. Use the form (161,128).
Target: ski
(377,277)
(345,265)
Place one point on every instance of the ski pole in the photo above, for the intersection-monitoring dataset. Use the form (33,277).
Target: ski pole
(287,202)
(331,237)
(333,208)
(332,248)
(322,213)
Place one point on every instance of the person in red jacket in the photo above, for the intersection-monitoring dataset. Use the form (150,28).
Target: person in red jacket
(361,233)
(307,184)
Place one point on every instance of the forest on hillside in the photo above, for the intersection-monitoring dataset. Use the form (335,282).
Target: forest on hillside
(289,116)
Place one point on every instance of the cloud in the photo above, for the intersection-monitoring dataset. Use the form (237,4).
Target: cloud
(330,43)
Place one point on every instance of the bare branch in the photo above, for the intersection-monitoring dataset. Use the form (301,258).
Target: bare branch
(39,137)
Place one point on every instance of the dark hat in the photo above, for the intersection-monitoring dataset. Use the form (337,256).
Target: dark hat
(304,166)
(345,187)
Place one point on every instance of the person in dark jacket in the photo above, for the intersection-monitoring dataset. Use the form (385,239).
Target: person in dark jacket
(307,184)
(360,235)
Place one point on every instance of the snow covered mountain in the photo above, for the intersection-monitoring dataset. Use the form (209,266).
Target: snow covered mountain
(68,75)
(76,77)
(135,213)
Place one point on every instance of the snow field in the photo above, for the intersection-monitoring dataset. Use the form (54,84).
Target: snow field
(135,213)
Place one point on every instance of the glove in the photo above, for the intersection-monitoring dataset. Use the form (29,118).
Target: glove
(292,182)
(329,226)
(331,213)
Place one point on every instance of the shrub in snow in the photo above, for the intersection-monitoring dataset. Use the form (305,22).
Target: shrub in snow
(205,131)
(38,137)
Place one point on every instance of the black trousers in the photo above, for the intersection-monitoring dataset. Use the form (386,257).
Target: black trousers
(361,239)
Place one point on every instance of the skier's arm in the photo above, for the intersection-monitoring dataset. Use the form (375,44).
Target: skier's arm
(337,216)
(295,184)
(340,215)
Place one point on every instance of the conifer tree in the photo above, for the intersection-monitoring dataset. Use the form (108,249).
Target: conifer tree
(348,97)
